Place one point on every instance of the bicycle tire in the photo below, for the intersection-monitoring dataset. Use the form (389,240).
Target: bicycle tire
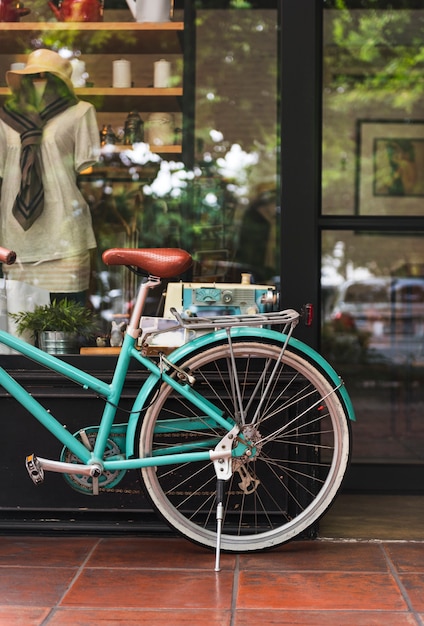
(303,438)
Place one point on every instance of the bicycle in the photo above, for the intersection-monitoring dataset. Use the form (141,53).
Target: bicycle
(241,435)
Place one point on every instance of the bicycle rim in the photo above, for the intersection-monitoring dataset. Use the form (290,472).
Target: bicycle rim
(302,438)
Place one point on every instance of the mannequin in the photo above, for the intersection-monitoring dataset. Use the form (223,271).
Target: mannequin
(39,83)
(43,215)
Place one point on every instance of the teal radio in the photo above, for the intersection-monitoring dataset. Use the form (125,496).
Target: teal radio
(213,299)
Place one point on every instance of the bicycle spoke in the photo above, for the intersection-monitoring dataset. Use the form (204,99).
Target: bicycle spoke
(298,432)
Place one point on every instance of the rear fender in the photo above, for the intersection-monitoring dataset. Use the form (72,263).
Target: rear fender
(183,353)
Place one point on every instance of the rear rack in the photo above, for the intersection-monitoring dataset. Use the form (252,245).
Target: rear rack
(288,316)
(156,340)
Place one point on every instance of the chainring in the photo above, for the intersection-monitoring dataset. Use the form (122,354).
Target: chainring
(84,484)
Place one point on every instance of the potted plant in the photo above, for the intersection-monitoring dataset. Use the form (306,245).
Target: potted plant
(58,327)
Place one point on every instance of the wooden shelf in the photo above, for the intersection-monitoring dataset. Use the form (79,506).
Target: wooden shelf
(97,40)
(133,92)
(108,99)
(108,149)
(144,92)
(148,100)
(108,351)
(116,148)
(145,38)
(166,149)
(146,27)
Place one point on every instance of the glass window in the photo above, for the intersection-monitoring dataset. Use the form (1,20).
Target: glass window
(373,131)
(373,332)
(234,211)
(372,281)
(220,204)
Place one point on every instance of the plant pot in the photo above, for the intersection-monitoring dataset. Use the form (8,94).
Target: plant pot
(58,342)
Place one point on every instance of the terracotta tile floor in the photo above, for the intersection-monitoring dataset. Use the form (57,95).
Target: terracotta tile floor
(109,581)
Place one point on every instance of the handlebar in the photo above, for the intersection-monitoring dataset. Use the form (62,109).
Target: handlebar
(7,256)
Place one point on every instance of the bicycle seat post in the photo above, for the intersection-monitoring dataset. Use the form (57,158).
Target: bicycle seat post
(133,328)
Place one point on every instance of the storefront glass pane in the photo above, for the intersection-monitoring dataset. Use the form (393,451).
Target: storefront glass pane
(221,202)
(234,211)
(373,109)
(373,332)
(373,273)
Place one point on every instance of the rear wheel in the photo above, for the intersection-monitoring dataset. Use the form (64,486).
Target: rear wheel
(301,434)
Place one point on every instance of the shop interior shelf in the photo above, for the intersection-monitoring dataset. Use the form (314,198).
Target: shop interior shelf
(144,38)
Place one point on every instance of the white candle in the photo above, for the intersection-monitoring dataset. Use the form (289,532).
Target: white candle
(121,74)
(161,73)
(17,66)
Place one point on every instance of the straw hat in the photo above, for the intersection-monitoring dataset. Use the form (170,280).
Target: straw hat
(42,61)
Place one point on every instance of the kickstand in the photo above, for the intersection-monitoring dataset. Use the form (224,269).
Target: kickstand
(219,518)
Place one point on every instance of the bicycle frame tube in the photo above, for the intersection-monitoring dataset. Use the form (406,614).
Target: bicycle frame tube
(111,394)
(52,362)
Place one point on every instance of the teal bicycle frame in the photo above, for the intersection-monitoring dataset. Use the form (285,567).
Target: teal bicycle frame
(111,393)
(107,449)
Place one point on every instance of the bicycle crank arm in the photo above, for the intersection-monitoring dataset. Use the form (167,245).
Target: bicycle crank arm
(37,465)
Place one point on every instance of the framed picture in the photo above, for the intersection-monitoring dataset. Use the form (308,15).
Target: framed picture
(390,167)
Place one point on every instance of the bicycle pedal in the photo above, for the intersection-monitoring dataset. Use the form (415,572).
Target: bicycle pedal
(35,471)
